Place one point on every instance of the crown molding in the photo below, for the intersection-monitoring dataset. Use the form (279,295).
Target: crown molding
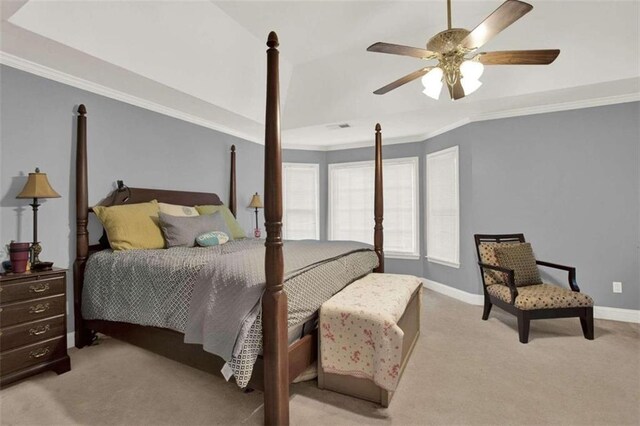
(79,83)
(496,115)
(390,140)
(560,106)
(64,78)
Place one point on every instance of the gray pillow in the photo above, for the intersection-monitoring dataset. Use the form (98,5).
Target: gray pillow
(183,230)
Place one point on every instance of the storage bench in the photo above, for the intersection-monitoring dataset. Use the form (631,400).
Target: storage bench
(367,334)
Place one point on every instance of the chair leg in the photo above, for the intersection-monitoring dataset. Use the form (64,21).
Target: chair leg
(586,321)
(523,326)
(487,308)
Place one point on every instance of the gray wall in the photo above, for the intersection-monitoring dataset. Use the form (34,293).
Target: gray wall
(143,148)
(568,180)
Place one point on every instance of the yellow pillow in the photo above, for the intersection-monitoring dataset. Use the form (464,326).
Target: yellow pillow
(176,210)
(236,230)
(132,226)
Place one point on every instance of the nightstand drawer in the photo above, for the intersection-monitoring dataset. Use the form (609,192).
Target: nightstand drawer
(30,310)
(20,358)
(31,332)
(30,288)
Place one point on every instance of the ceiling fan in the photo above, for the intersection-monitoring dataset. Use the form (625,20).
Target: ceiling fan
(454,49)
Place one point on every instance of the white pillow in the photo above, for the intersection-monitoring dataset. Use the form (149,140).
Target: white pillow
(175,210)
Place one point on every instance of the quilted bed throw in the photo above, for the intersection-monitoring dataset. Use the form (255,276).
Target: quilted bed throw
(226,296)
(360,335)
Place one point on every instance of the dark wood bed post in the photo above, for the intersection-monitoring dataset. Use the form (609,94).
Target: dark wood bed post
(274,300)
(232,182)
(378,203)
(82,336)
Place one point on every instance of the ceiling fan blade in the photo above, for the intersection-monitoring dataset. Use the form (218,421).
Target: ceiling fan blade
(397,49)
(519,57)
(403,80)
(456,92)
(508,13)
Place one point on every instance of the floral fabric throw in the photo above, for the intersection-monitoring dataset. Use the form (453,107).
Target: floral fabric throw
(359,332)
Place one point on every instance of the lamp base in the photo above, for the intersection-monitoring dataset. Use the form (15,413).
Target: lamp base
(256,233)
(36,249)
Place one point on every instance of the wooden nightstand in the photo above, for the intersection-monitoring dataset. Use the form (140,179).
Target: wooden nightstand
(33,324)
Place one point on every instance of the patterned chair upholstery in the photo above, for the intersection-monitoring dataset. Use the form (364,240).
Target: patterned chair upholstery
(511,281)
(541,296)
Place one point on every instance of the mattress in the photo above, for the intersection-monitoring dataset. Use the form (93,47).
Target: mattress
(154,287)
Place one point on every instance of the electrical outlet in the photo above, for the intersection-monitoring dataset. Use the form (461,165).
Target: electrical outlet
(617,287)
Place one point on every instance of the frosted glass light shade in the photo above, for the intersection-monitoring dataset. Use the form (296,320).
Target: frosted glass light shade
(470,85)
(471,69)
(432,82)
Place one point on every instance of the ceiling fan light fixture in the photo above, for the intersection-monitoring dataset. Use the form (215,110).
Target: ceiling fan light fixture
(471,69)
(432,82)
(470,85)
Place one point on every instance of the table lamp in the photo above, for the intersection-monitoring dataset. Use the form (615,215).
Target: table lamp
(37,186)
(256,203)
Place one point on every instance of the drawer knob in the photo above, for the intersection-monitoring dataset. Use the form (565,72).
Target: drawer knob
(41,329)
(39,288)
(39,308)
(39,353)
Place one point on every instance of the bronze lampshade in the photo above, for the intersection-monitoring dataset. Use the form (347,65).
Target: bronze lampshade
(256,203)
(37,186)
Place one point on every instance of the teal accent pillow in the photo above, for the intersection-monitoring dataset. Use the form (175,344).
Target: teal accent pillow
(213,238)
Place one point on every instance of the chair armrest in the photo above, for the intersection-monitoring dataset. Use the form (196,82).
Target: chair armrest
(570,269)
(511,282)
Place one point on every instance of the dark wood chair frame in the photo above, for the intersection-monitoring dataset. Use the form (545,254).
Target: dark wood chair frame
(280,362)
(525,316)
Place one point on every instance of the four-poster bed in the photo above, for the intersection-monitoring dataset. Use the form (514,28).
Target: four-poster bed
(281,362)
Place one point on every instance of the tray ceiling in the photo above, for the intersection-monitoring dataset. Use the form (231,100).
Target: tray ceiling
(204,61)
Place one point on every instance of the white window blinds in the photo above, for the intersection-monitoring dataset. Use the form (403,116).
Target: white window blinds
(300,200)
(351,204)
(443,207)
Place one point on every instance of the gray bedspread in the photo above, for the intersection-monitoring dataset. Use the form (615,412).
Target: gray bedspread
(212,294)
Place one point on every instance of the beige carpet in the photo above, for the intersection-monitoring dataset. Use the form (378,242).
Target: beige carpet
(463,371)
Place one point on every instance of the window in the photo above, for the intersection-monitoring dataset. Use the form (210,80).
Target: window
(443,207)
(351,204)
(300,201)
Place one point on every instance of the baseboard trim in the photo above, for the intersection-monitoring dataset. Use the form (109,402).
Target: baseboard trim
(599,312)
(464,296)
(616,314)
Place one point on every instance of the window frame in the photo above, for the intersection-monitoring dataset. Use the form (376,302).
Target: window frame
(316,168)
(453,263)
(414,161)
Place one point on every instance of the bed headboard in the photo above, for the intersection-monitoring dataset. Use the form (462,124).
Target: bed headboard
(141,195)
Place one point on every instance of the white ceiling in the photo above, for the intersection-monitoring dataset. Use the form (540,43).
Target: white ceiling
(204,61)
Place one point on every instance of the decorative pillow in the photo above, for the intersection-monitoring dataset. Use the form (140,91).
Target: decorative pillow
(183,231)
(236,230)
(176,210)
(488,256)
(520,258)
(213,238)
(131,226)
